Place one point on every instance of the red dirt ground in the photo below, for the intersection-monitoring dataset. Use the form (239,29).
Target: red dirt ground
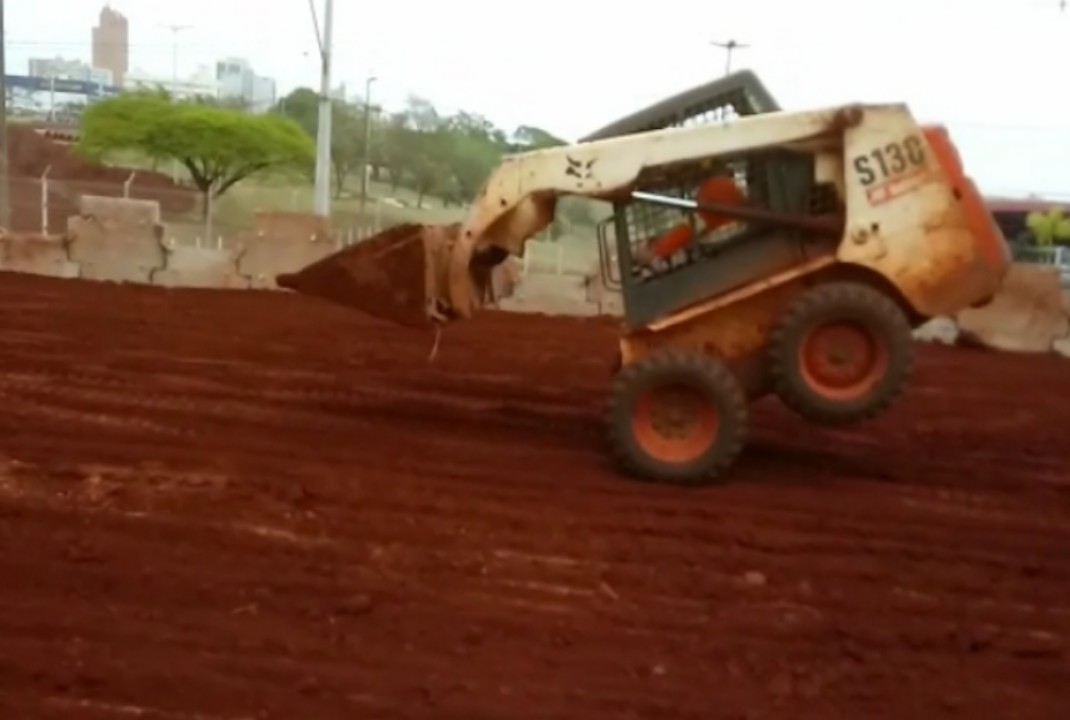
(249,505)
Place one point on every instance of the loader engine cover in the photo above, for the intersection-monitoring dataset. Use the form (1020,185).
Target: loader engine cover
(402,275)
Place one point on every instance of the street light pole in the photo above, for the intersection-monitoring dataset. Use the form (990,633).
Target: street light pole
(366,165)
(323,133)
(175,30)
(5,195)
(729,47)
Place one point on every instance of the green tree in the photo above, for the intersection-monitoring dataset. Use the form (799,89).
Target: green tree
(218,146)
(232,103)
(427,163)
(302,106)
(423,150)
(347,130)
(473,148)
(347,143)
(529,137)
(1049,228)
(394,151)
(417,150)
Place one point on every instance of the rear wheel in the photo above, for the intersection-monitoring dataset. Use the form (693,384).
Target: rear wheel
(676,417)
(841,353)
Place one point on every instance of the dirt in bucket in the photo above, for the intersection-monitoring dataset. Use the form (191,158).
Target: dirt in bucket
(385,276)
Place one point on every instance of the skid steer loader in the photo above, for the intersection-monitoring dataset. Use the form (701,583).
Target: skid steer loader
(756,250)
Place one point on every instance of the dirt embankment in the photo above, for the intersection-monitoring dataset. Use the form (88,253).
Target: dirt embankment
(70,177)
(250,504)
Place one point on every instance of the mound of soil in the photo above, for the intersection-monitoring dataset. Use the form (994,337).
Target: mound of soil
(258,505)
(70,177)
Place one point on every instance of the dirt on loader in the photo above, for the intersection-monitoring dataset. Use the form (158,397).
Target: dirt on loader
(222,505)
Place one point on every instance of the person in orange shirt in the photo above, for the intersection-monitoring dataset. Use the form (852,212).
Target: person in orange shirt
(721,189)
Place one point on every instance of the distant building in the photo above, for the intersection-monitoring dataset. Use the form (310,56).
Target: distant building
(111,44)
(235,78)
(264,93)
(200,84)
(62,69)
(237,81)
(58,67)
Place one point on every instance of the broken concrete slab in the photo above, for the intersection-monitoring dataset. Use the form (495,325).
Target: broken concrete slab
(37,255)
(283,242)
(196,267)
(117,239)
(1027,315)
(940,329)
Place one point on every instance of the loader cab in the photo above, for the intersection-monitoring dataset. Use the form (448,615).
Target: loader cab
(723,254)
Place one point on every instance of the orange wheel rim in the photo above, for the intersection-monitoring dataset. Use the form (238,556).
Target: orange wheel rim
(842,360)
(674,424)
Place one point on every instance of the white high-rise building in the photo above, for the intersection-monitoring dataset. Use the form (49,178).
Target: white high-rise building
(63,69)
(200,84)
(238,81)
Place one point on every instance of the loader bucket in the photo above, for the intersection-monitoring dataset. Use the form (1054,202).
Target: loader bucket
(400,275)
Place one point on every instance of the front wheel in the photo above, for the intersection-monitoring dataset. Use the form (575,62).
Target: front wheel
(841,353)
(676,417)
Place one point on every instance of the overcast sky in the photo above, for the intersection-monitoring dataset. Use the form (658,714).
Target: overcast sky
(996,71)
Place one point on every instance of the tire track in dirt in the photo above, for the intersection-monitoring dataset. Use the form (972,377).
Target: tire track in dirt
(230,505)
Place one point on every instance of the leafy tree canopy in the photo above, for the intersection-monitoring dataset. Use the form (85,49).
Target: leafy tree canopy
(422,149)
(347,130)
(1049,228)
(219,146)
(528,137)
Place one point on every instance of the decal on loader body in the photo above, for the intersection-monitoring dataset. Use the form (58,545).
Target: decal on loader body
(892,170)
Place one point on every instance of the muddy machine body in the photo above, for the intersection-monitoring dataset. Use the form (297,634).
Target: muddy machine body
(756,251)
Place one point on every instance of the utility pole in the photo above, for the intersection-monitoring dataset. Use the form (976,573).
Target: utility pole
(175,30)
(323,134)
(366,165)
(729,47)
(5,194)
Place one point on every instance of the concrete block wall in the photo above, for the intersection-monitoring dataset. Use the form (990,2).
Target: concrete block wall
(37,254)
(283,242)
(122,240)
(116,239)
(550,293)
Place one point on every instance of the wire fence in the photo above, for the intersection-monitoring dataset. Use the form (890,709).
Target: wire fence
(573,255)
(43,205)
(1057,256)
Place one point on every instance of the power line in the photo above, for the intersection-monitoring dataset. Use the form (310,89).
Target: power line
(5,194)
(87,43)
(1003,127)
(175,30)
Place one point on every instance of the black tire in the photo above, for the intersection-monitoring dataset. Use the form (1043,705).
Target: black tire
(864,317)
(718,418)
